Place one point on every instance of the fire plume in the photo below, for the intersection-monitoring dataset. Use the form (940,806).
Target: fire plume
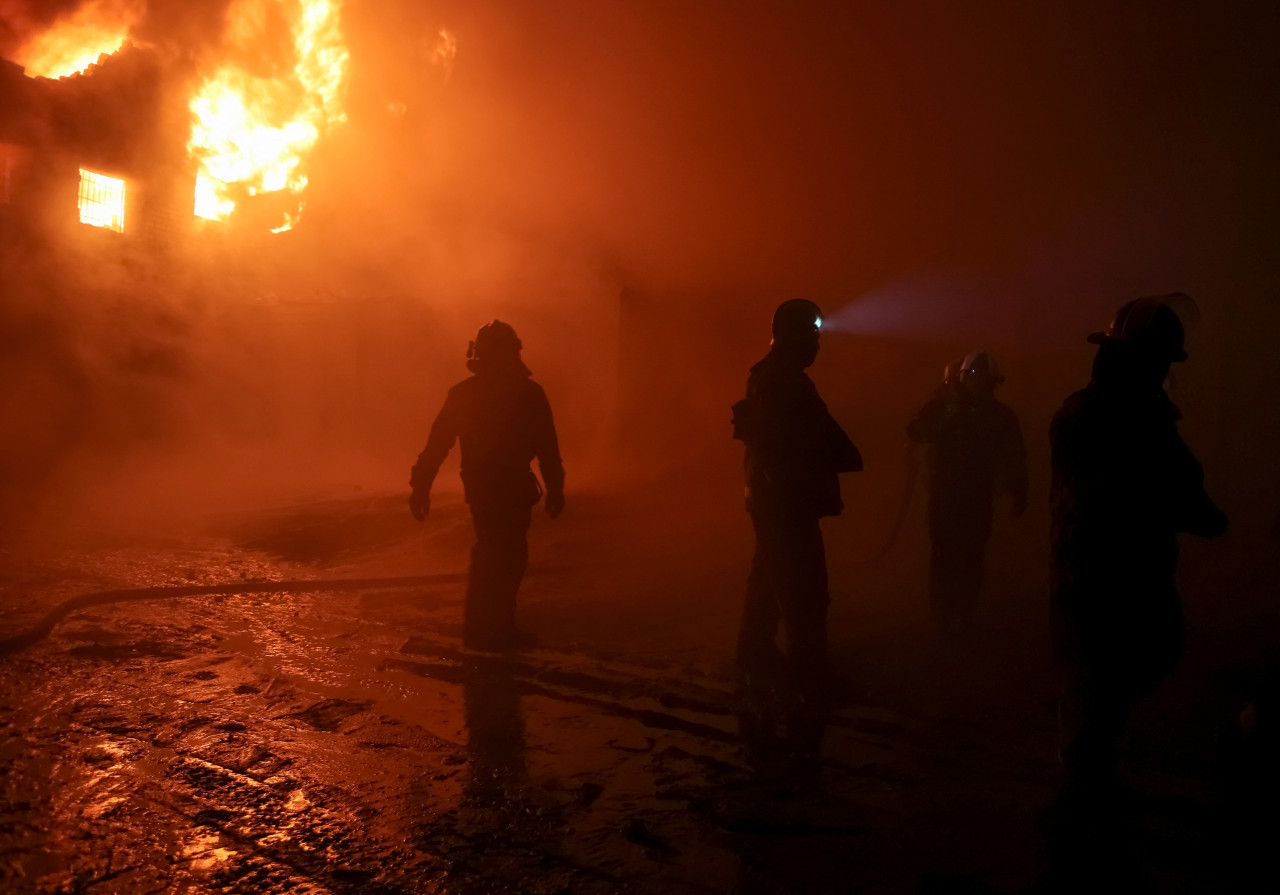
(75,42)
(255,122)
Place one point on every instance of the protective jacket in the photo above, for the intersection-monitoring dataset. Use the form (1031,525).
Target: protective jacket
(977,449)
(1124,485)
(795,449)
(503,421)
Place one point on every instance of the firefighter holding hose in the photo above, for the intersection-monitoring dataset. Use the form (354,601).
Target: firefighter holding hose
(975,449)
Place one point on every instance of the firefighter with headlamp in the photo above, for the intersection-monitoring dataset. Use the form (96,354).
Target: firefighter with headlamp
(1124,486)
(975,449)
(794,453)
(503,420)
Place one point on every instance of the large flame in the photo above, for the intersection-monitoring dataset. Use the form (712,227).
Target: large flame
(252,129)
(75,42)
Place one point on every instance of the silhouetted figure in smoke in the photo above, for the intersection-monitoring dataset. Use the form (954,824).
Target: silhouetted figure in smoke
(794,451)
(503,420)
(1124,486)
(976,449)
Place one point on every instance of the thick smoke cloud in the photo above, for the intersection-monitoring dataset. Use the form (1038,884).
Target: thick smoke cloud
(635,185)
(19,19)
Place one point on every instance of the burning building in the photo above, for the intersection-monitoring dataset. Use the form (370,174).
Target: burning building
(141,186)
(208,220)
(155,136)
(74,154)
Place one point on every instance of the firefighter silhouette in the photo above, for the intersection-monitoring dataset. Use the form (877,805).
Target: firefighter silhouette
(1124,485)
(794,451)
(975,449)
(503,421)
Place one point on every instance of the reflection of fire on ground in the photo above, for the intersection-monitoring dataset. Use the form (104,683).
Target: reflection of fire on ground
(274,740)
(273,737)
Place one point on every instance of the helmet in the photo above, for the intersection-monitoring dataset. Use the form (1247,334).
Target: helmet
(980,366)
(796,321)
(1150,323)
(951,372)
(494,341)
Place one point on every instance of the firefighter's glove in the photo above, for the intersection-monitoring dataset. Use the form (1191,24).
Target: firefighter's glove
(420,504)
(555,503)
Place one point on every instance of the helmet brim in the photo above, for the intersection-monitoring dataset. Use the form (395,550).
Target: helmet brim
(1105,338)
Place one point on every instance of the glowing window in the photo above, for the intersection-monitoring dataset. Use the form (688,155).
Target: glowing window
(101,201)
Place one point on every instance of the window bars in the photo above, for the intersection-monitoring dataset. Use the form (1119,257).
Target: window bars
(101,200)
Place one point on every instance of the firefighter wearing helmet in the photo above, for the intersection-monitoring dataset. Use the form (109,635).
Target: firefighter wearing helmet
(794,453)
(1124,486)
(975,450)
(503,421)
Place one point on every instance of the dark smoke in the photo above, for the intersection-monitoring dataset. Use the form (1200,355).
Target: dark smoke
(939,181)
(19,19)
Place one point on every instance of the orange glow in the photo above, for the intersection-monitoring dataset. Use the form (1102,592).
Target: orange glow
(101,200)
(252,131)
(75,42)
(444,52)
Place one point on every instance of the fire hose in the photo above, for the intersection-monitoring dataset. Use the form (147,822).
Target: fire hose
(904,508)
(42,629)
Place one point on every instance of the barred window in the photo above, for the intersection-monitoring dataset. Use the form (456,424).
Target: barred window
(101,200)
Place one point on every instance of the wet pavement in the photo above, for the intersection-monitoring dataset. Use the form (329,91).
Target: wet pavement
(253,723)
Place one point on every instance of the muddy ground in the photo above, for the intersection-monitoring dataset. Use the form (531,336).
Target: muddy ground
(232,714)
